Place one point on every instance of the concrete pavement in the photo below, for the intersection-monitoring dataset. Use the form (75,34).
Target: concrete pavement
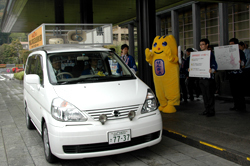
(20,146)
(227,134)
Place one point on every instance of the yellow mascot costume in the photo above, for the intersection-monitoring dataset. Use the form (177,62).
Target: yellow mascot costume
(164,60)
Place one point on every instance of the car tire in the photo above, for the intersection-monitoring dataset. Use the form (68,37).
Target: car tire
(47,151)
(29,123)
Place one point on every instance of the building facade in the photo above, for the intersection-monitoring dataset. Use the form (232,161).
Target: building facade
(238,23)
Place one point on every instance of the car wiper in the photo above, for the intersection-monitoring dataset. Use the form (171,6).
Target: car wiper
(95,78)
(83,79)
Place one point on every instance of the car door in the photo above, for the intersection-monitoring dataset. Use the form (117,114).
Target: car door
(35,94)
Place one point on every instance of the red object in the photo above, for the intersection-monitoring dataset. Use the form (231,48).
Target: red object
(18,70)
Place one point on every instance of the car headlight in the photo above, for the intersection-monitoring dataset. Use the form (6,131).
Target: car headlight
(150,103)
(64,111)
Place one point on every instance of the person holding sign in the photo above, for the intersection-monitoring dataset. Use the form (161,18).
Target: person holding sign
(207,84)
(236,81)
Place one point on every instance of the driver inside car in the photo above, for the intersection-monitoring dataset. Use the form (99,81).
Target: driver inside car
(59,73)
(93,69)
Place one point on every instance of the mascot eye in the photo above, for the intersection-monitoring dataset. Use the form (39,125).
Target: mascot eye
(164,44)
(155,44)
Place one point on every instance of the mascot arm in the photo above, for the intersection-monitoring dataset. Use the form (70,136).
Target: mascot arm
(173,59)
(149,56)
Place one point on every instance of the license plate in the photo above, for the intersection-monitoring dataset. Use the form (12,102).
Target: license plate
(119,136)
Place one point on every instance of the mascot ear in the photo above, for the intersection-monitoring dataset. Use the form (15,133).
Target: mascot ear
(172,44)
(157,38)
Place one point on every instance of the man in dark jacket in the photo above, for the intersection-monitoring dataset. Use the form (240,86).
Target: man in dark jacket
(236,79)
(207,84)
(192,82)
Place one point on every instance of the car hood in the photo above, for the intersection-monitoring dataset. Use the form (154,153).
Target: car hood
(103,95)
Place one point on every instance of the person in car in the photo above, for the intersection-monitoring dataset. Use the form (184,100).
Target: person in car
(56,64)
(93,69)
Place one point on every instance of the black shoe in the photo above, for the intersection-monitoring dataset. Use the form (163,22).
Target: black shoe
(233,109)
(209,114)
(204,113)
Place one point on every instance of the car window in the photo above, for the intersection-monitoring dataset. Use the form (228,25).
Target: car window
(34,66)
(31,65)
(39,70)
(86,66)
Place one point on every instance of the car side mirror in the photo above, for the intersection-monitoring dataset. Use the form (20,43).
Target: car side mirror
(32,79)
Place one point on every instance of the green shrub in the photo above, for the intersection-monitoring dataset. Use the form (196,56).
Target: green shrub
(19,75)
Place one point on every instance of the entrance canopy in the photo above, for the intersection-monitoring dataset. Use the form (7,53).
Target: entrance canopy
(25,15)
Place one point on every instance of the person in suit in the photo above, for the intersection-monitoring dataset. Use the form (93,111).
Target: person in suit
(128,59)
(236,81)
(93,69)
(56,64)
(207,84)
(183,76)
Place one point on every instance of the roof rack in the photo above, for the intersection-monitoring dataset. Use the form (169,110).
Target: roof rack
(56,35)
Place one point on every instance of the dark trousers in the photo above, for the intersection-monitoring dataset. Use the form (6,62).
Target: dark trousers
(207,90)
(246,73)
(192,86)
(183,88)
(238,90)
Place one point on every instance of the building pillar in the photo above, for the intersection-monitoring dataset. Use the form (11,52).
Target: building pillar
(196,25)
(145,34)
(158,26)
(119,35)
(86,11)
(59,11)
(175,25)
(131,39)
(223,24)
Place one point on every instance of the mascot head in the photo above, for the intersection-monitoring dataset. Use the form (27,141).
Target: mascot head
(164,42)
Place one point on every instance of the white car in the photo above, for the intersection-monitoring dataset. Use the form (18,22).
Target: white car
(89,108)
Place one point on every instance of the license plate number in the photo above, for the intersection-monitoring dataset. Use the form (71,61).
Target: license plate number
(119,136)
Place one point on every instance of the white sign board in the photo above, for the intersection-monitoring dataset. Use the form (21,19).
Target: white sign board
(227,57)
(199,64)
(179,54)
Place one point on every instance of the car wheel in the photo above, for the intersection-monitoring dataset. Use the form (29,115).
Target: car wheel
(48,155)
(29,124)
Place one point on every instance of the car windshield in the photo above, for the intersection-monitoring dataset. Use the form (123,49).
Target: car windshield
(88,66)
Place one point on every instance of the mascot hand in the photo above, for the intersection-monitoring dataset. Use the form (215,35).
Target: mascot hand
(148,55)
(173,59)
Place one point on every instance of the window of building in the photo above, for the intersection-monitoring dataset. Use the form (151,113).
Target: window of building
(124,36)
(238,22)
(166,28)
(115,37)
(209,23)
(185,30)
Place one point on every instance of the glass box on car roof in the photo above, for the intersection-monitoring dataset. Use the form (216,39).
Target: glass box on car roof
(70,34)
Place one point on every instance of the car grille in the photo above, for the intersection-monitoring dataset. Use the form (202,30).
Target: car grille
(106,146)
(122,112)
